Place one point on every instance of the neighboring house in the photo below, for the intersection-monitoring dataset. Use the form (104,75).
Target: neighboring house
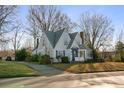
(5,54)
(107,55)
(62,43)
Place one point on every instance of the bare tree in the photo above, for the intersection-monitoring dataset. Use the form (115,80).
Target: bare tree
(17,36)
(120,36)
(47,18)
(28,43)
(6,14)
(97,30)
(3,46)
(119,46)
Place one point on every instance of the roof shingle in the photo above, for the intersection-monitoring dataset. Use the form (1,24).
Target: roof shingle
(72,36)
(53,37)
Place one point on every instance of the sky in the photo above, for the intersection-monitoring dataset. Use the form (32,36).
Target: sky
(114,12)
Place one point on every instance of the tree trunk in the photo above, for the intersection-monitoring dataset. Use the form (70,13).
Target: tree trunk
(95,56)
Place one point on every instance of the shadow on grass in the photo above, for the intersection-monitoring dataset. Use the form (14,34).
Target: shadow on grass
(91,70)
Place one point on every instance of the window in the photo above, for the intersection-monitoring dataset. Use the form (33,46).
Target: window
(60,53)
(89,53)
(82,53)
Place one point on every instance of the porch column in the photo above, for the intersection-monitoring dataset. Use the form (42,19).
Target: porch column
(84,55)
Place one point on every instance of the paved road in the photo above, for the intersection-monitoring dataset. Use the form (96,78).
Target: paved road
(51,77)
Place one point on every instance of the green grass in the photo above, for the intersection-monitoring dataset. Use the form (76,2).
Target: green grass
(91,67)
(14,69)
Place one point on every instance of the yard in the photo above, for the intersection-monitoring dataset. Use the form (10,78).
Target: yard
(14,69)
(91,67)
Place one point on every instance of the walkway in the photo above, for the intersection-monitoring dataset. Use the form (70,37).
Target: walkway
(45,70)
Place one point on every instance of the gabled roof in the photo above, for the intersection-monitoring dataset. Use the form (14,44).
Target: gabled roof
(53,37)
(72,36)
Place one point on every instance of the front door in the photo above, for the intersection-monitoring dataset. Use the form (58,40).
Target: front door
(74,53)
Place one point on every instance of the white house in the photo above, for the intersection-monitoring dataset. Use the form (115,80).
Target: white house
(62,43)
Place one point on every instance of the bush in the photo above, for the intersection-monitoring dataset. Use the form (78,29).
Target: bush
(0,58)
(35,58)
(116,58)
(64,59)
(99,60)
(45,59)
(28,58)
(21,55)
(122,59)
(8,58)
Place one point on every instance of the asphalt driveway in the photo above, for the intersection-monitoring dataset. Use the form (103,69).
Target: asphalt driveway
(54,78)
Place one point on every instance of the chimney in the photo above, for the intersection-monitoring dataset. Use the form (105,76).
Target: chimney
(82,37)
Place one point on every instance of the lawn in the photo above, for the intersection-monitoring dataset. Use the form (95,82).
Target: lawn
(91,67)
(14,69)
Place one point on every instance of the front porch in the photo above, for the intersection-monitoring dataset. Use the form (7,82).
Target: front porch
(78,54)
(74,54)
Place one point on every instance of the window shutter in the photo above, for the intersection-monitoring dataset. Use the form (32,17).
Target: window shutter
(56,53)
(63,52)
